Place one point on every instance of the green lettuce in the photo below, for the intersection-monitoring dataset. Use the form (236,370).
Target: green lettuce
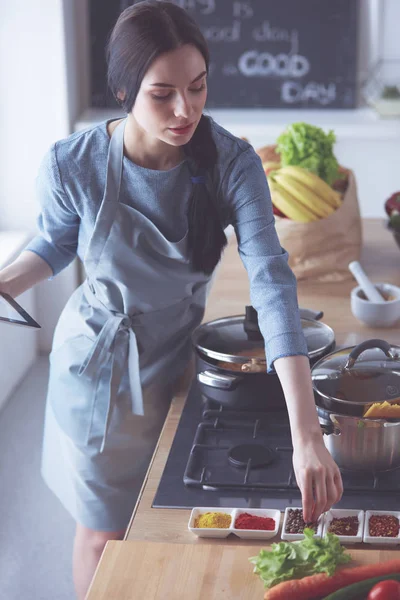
(309,147)
(293,560)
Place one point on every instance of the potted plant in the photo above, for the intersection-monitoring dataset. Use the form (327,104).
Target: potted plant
(388,104)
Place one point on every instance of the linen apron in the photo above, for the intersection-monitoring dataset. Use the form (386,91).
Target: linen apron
(122,341)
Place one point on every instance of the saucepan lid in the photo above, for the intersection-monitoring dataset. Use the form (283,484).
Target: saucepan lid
(237,339)
(363,374)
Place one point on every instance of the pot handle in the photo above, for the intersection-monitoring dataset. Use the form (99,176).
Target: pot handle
(218,380)
(391,424)
(374,343)
(326,428)
(331,427)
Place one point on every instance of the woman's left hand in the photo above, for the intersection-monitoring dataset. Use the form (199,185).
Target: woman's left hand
(317,476)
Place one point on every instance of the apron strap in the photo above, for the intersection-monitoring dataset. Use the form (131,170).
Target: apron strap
(115,163)
(117,340)
(110,199)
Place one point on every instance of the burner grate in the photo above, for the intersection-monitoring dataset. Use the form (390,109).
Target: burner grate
(232,486)
(214,462)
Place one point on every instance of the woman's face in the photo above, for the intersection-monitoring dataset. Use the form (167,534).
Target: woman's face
(172,96)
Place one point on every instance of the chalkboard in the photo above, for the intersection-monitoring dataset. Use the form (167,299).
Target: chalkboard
(264,53)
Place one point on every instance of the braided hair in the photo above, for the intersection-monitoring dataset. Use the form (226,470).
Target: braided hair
(143,32)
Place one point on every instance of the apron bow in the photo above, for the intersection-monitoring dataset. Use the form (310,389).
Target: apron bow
(116,341)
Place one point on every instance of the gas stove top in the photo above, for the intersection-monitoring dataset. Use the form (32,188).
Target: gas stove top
(232,452)
(228,458)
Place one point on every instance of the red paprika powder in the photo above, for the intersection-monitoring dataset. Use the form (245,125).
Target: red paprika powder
(247,521)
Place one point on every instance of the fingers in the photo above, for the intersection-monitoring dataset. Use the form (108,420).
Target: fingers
(318,478)
(338,485)
(320,493)
(332,494)
(307,495)
(320,490)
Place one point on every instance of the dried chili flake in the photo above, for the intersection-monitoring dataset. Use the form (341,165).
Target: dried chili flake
(344,526)
(295,522)
(384,526)
(248,521)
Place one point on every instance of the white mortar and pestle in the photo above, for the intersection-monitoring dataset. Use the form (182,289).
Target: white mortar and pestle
(376,305)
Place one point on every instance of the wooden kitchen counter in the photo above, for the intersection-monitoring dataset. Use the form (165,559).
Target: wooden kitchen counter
(230,293)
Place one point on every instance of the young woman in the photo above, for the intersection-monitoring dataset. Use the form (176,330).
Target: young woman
(143,201)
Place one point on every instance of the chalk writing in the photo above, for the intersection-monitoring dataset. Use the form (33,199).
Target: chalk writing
(294,92)
(223,34)
(264,64)
(242,10)
(263,53)
(205,7)
(267,33)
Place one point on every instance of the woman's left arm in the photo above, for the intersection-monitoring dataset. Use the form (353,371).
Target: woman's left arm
(273,293)
(317,475)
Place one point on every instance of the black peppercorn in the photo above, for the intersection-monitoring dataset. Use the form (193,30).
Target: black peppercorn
(295,522)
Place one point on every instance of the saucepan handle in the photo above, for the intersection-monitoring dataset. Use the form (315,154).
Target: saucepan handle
(326,428)
(218,380)
(331,427)
(374,343)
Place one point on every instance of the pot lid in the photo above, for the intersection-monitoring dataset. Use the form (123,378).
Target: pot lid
(236,339)
(363,374)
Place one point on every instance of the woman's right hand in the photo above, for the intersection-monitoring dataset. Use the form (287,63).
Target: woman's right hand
(26,271)
(4,285)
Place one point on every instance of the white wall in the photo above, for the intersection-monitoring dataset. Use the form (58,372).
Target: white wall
(391,20)
(33,102)
(34,112)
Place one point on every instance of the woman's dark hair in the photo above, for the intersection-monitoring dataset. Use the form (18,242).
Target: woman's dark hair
(143,32)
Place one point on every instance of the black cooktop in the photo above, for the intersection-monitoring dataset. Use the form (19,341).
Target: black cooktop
(229,458)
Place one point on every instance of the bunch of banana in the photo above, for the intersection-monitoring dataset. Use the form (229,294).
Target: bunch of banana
(270,165)
(302,195)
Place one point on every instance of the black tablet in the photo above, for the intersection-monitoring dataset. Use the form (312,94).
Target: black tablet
(12,312)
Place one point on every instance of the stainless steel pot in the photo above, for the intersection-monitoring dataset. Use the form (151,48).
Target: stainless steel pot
(362,444)
(347,382)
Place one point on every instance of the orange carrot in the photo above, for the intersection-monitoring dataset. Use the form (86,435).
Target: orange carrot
(319,585)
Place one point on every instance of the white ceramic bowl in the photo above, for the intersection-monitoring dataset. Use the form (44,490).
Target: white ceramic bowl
(377,314)
(210,531)
(336,513)
(257,533)
(369,539)
(291,537)
(387,107)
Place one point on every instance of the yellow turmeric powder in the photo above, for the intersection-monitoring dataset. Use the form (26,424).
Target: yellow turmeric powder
(213,519)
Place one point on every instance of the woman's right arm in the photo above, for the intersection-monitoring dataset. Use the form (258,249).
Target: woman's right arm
(22,274)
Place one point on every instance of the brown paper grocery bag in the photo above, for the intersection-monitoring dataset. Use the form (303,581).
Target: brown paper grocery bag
(321,250)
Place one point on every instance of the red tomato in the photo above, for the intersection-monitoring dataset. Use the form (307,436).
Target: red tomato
(385,590)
